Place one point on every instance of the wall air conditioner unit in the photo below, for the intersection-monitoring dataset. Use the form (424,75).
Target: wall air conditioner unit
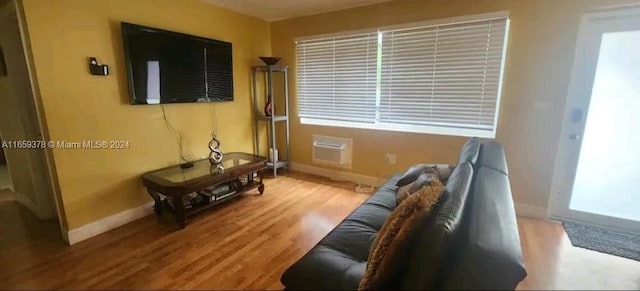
(332,151)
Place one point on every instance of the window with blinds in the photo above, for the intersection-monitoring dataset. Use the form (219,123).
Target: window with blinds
(441,78)
(337,78)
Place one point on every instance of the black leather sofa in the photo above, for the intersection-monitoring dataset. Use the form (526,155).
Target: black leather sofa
(470,241)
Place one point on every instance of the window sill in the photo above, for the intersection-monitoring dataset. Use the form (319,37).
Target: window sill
(422,129)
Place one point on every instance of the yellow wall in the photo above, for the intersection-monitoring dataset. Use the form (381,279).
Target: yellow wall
(539,57)
(78,106)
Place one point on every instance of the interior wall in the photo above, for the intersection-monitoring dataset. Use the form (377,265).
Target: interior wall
(539,58)
(78,106)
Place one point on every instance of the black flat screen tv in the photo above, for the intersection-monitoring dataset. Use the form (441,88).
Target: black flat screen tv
(171,67)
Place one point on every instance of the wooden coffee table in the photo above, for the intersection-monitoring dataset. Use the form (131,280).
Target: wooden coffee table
(171,187)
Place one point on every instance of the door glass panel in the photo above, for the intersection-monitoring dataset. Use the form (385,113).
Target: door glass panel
(608,174)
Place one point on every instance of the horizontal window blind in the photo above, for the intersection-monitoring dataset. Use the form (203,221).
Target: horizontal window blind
(442,75)
(337,78)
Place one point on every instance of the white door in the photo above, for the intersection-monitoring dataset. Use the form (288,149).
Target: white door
(597,173)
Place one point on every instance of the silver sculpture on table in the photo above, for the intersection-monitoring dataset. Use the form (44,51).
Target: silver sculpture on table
(215,154)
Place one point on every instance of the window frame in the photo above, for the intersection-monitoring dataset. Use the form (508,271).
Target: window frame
(413,128)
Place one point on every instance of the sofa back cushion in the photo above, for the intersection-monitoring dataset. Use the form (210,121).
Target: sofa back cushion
(438,230)
(489,257)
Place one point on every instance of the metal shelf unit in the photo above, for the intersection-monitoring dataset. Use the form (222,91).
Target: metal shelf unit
(269,72)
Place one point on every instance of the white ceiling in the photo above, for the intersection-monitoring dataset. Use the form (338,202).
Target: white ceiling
(272,10)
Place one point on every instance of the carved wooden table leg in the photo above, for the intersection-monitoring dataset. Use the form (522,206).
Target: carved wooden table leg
(157,201)
(261,186)
(181,213)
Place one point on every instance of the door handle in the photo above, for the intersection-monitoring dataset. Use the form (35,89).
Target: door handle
(576,115)
(574,136)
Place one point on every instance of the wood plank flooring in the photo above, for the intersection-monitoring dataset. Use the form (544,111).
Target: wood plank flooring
(247,244)
(5,179)
(553,263)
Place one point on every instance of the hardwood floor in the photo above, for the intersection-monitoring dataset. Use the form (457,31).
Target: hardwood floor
(553,263)
(5,179)
(247,244)
(244,244)
(6,195)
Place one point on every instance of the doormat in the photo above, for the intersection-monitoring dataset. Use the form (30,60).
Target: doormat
(603,240)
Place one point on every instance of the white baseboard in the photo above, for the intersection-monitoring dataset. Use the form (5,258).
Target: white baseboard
(337,175)
(528,210)
(525,210)
(65,234)
(108,223)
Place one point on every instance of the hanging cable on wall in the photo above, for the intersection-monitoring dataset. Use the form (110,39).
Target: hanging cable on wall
(164,115)
(215,154)
(214,118)
(359,189)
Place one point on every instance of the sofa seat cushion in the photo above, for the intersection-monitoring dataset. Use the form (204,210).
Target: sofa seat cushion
(324,268)
(369,215)
(385,196)
(338,261)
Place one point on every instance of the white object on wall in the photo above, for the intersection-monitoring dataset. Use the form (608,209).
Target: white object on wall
(332,151)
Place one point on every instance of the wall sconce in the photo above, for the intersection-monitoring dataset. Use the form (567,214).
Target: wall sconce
(96,68)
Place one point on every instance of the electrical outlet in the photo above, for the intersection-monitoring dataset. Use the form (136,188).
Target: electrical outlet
(391,159)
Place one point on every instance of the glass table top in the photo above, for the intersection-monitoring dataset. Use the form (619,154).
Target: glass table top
(203,167)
